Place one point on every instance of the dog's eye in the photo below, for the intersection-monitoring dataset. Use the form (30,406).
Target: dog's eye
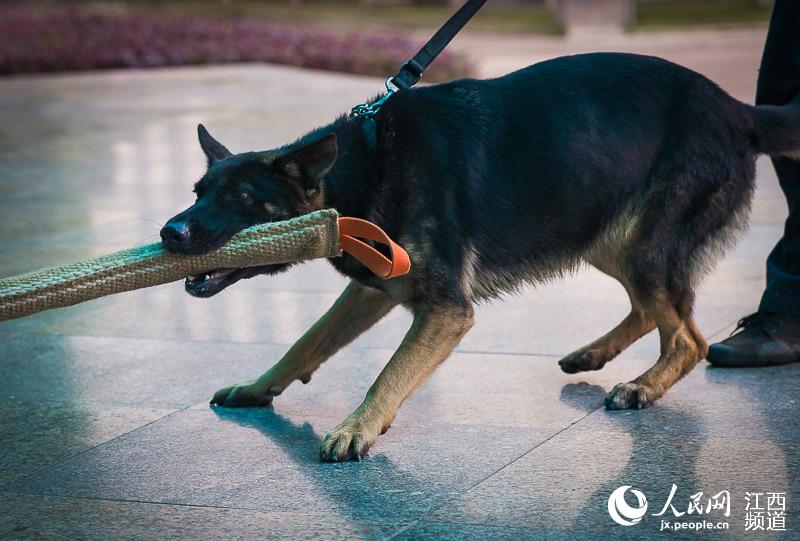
(238,196)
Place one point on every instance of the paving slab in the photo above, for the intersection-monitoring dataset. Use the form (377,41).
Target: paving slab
(32,517)
(34,435)
(475,416)
(269,461)
(713,432)
(104,371)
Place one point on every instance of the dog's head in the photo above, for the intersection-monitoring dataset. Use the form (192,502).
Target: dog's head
(241,190)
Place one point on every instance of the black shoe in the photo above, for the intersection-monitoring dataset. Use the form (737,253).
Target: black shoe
(764,340)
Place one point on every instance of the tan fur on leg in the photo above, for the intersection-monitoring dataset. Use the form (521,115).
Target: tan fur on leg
(680,352)
(635,325)
(356,310)
(702,345)
(429,341)
(598,353)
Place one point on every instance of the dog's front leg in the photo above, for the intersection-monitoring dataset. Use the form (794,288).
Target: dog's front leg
(433,335)
(356,310)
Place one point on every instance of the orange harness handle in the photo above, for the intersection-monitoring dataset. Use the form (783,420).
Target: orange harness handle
(350,228)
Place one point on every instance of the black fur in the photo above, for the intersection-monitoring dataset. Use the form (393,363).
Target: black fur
(775,129)
(492,183)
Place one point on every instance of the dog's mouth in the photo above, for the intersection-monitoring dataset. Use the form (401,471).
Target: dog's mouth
(211,282)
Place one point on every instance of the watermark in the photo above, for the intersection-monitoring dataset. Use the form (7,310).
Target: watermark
(622,513)
(769,518)
(765,511)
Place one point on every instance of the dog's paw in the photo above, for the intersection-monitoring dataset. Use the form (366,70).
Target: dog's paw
(348,441)
(245,395)
(630,396)
(583,360)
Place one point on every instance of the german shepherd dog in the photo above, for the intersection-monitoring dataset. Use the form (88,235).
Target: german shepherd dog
(637,166)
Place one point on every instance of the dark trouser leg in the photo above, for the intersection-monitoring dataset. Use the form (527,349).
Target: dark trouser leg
(782,295)
(779,83)
(772,336)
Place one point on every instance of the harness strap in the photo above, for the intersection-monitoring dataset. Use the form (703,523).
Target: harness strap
(383,267)
(408,75)
(411,70)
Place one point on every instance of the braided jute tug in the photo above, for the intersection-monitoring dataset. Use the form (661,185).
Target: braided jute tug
(318,234)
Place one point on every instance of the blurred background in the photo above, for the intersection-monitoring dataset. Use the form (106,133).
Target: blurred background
(357,36)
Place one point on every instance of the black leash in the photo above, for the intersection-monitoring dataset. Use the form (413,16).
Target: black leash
(410,72)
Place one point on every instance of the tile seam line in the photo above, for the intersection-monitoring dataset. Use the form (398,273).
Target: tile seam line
(4,487)
(145,502)
(43,332)
(429,512)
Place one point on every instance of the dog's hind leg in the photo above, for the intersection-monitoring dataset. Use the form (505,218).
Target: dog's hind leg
(595,355)
(682,347)
(684,225)
(635,325)
(356,310)
(429,341)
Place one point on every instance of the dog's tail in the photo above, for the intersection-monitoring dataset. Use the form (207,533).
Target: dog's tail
(776,129)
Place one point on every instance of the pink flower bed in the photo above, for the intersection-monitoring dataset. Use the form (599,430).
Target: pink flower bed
(66,40)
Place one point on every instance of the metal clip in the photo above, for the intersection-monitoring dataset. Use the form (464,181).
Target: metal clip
(368,110)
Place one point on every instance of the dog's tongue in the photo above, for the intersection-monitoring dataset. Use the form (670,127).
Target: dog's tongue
(210,275)
(208,283)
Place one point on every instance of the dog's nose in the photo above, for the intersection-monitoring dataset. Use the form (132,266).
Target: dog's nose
(174,234)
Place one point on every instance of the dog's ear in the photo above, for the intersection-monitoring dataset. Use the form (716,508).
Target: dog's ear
(213,149)
(307,164)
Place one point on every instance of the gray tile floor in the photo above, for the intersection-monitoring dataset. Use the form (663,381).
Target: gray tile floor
(106,432)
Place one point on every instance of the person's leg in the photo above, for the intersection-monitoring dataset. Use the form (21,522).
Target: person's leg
(782,295)
(778,84)
(772,335)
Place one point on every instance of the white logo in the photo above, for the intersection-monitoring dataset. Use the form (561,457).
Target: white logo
(622,513)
